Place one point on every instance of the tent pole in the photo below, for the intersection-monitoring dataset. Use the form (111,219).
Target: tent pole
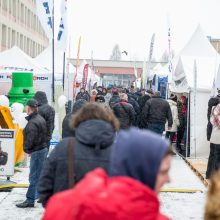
(64,64)
(53,96)
(188,124)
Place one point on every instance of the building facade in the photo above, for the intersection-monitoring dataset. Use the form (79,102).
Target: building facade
(117,73)
(20,26)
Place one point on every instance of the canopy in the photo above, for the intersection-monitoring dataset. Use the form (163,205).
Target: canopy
(15,59)
(198,50)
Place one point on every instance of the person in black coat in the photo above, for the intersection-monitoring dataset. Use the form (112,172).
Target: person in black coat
(114,99)
(156,112)
(124,112)
(83,95)
(214,101)
(35,144)
(47,112)
(95,128)
(66,130)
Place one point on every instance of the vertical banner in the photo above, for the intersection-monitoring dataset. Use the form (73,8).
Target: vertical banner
(77,64)
(44,12)
(7,152)
(85,76)
(63,29)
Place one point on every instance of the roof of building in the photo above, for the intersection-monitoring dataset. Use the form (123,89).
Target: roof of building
(114,63)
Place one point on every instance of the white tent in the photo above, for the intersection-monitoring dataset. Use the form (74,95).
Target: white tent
(15,59)
(45,59)
(194,71)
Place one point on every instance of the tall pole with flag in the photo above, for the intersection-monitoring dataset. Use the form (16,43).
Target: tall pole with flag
(149,59)
(62,34)
(170,57)
(45,12)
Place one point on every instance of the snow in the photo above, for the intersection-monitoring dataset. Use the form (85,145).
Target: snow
(182,206)
(178,206)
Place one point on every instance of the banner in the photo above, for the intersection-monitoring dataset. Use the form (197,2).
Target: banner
(77,64)
(45,15)
(170,66)
(62,33)
(85,76)
(7,152)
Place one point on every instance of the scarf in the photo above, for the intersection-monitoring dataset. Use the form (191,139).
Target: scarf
(215,116)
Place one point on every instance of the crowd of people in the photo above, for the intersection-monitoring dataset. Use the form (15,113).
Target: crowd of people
(112,160)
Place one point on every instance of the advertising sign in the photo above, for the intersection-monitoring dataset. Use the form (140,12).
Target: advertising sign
(7,152)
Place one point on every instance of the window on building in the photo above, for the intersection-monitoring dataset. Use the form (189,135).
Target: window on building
(24,44)
(9,37)
(4,35)
(22,13)
(17,39)
(28,46)
(13,38)
(21,42)
(5,4)
(10,6)
(14,8)
(28,18)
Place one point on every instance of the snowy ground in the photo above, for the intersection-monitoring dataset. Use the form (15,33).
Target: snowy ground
(178,206)
(183,206)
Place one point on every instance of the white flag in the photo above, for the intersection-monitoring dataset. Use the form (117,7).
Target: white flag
(44,11)
(62,32)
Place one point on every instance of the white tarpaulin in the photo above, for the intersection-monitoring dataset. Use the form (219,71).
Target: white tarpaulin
(15,59)
(198,50)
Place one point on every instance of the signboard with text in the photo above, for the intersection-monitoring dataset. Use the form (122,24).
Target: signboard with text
(7,152)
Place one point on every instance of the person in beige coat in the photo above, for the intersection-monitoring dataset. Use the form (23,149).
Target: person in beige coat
(170,132)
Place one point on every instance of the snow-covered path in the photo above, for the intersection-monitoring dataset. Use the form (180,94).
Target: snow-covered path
(183,206)
(178,206)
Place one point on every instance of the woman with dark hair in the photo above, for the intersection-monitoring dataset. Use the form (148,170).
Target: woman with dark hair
(95,128)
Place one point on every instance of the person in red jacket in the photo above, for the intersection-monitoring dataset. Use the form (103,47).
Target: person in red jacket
(98,197)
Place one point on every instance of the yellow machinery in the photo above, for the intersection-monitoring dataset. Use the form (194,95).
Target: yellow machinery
(6,122)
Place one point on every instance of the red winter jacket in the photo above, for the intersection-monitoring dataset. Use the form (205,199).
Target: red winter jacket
(98,197)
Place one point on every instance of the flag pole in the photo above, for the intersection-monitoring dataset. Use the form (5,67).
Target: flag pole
(53,74)
(64,64)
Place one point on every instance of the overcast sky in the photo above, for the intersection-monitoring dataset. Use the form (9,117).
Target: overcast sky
(131,23)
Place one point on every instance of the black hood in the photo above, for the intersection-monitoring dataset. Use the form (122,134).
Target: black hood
(95,133)
(78,105)
(41,98)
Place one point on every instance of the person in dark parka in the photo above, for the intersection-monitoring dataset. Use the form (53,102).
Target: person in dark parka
(114,99)
(156,112)
(66,130)
(95,128)
(124,111)
(47,112)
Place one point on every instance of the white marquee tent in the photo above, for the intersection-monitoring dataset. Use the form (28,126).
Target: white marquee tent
(194,71)
(15,60)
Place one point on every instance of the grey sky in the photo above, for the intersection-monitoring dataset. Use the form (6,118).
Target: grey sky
(131,23)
